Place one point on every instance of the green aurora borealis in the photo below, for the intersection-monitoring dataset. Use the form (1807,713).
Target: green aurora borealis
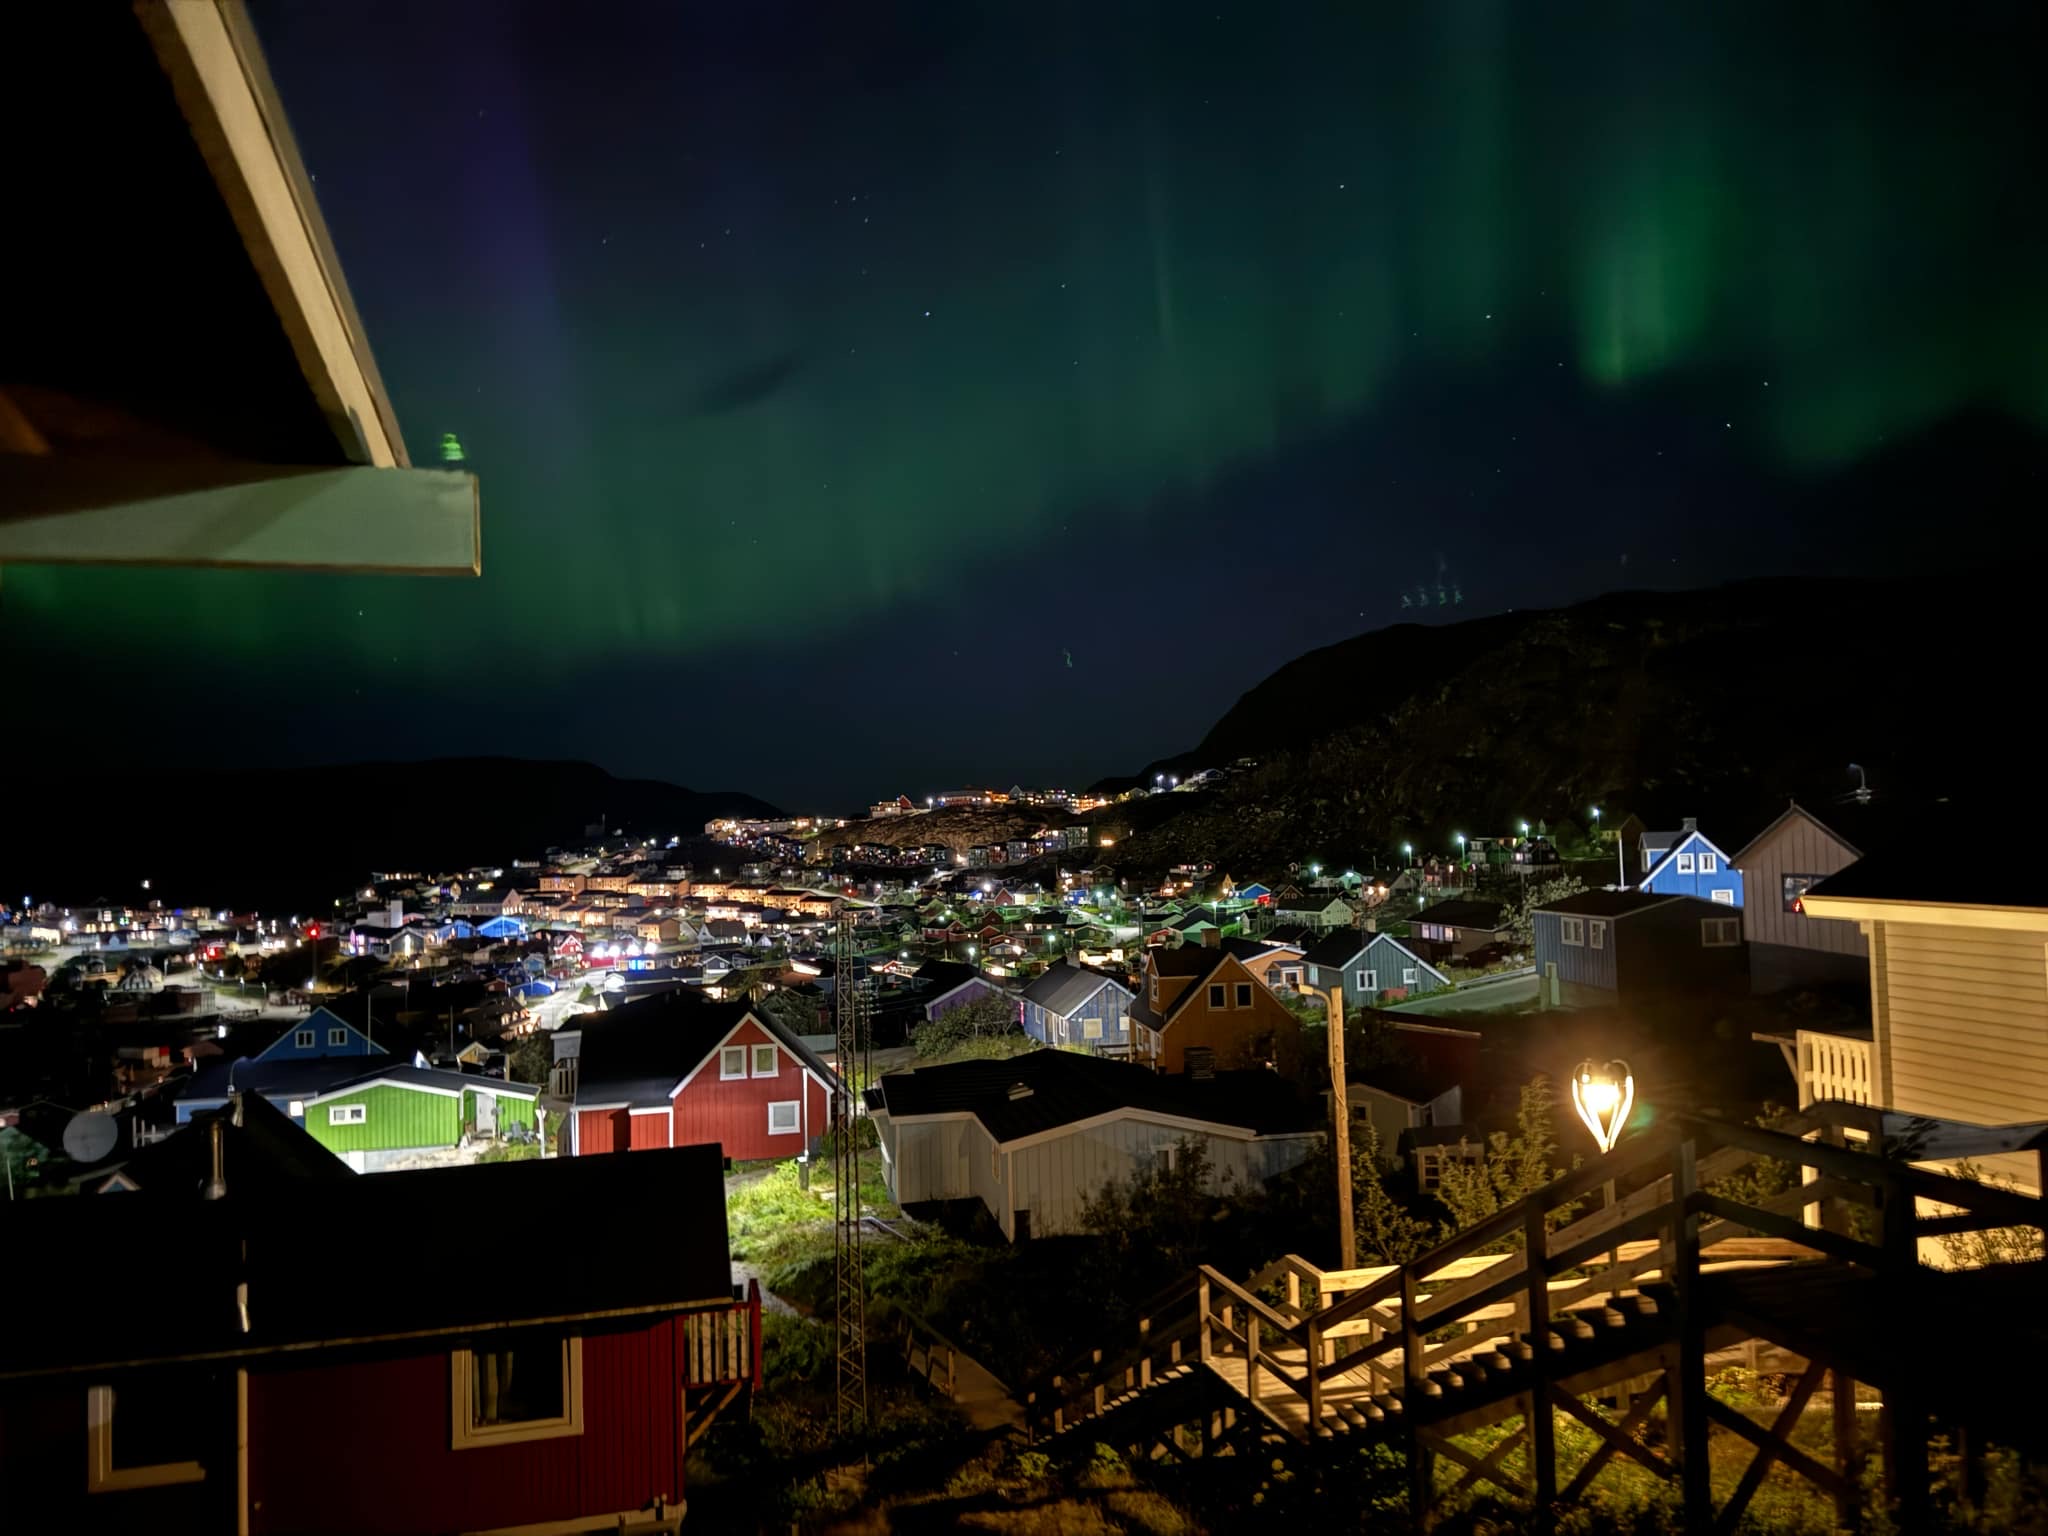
(766,330)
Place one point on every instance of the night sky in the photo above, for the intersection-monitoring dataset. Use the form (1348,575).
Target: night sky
(872,396)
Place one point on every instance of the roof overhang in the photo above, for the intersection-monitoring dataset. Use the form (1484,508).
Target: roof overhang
(1866,909)
(193,386)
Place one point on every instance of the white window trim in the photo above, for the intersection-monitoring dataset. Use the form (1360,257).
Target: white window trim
(1410,976)
(1596,933)
(348,1114)
(1710,864)
(1091,1029)
(337,1036)
(302,1039)
(774,1060)
(101,1475)
(725,1054)
(1725,896)
(468,1436)
(796,1117)
(1685,863)
(1572,931)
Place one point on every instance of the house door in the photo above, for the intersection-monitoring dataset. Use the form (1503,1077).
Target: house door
(487,1114)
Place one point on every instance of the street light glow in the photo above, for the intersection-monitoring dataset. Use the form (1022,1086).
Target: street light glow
(1603,1096)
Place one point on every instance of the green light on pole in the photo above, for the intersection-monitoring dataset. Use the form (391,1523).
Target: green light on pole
(451,449)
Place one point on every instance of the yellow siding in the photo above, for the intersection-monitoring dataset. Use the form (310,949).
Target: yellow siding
(1963,1018)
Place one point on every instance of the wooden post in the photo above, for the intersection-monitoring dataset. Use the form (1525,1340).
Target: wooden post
(1541,1418)
(1095,1358)
(1904,1420)
(1144,1352)
(1340,1136)
(1312,1357)
(1206,1344)
(1294,1290)
(1421,1474)
(1251,1357)
(1686,1404)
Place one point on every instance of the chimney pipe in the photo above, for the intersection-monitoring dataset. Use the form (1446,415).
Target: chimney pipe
(217,1186)
(1212,938)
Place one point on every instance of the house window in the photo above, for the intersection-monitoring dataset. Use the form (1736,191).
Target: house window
(765,1064)
(1368,981)
(1710,863)
(785,1119)
(732,1062)
(1155,992)
(302,1040)
(1244,994)
(1685,862)
(1408,975)
(154,1450)
(297,1109)
(1796,887)
(1216,996)
(337,1037)
(1720,932)
(1596,933)
(1290,976)
(1572,930)
(1725,896)
(522,1385)
(1162,1158)
(1091,1029)
(348,1114)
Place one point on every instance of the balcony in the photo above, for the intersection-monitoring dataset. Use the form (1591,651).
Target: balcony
(1834,1067)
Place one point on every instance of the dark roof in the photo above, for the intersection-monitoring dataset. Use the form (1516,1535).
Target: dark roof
(943,976)
(1189,960)
(1613,903)
(1904,874)
(261,1146)
(298,1295)
(408,1076)
(1338,946)
(1288,933)
(1068,1086)
(636,1055)
(282,1079)
(1247,949)
(1464,912)
(1066,986)
(1414,1081)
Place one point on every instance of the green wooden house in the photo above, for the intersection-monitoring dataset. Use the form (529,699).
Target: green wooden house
(393,1112)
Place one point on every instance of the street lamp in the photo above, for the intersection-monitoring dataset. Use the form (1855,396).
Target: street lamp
(1603,1096)
(1407,851)
(1525,829)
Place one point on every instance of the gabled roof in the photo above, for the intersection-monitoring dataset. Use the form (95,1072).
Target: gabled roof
(638,1055)
(281,1079)
(283,1250)
(1065,986)
(943,977)
(1464,912)
(262,1149)
(1071,1086)
(430,1078)
(320,1020)
(1622,904)
(1894,874)
(1348,944)
(1191,960)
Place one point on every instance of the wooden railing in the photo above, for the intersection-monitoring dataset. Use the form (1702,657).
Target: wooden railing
(1404,1330)
(1833,1067)
(927,1353)
(724,1344)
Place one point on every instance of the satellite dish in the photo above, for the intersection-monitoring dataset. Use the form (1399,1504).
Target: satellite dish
(90,1137)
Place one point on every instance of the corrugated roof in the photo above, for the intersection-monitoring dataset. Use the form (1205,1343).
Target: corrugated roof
(1065,986)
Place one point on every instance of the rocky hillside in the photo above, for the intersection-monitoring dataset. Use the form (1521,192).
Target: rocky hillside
(1666,703)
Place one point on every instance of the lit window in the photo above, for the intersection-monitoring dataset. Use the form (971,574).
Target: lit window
(1244,994)
(785,1119)
(1572,930)
(1710,863)
(765,1062)
(732,1061)
(348,1114)
(297,1109)
(337,1037)
(1216,996)
(302,1040)
(525,1385)
(156,1430)
(1795,889)
(1685,862)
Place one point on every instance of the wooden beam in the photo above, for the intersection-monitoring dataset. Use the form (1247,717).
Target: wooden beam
(1614,1437)
(1780,1432)
(217,73)
(64,511)
(1475,1466)
(1484,1469)
(1825,1478)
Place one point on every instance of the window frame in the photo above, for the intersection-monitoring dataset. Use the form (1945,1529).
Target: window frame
(1091,1029)
(774,1060)
(337,1035)
(348,1114)
(1790,899)
(796,1117)
(1709,863)
(466,1435)
(725,1055)
(1218,997)
(1571,932)
(1723,896)
(1596,933)
(102,1475)
(1366,980)
(302,1040)
(1411,976)
(1243,997)
(1685,864)
(1710,925)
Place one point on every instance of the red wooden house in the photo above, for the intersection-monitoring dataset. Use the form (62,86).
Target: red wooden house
(373,1355)
(673,1070)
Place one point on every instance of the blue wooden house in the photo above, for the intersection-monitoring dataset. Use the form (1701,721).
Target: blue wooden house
(1607,947)
(320,1033)
(1077,1005)
(501,928)
(1688,863)
(1370,967)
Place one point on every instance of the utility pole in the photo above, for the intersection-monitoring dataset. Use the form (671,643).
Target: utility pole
(1340,1135)
(849,1280)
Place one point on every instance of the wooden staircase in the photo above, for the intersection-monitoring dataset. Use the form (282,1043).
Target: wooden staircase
(1622,1304)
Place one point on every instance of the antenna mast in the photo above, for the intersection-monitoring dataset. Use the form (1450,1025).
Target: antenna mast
(851,1003)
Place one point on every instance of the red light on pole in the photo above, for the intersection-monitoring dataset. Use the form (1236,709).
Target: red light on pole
(313,931)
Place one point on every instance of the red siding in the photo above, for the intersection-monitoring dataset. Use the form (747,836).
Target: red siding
(601,1130)
(734,1113)
(648,1131)
(308,1426)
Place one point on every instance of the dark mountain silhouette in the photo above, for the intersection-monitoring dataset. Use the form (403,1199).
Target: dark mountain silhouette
(1659,702)
(297,838)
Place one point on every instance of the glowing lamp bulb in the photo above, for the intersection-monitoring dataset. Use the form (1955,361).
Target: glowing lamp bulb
(1603,1096)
